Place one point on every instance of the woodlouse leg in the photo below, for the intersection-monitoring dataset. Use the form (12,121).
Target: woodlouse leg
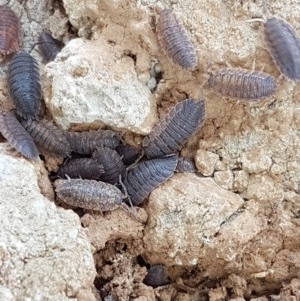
(130,211)
(134,164)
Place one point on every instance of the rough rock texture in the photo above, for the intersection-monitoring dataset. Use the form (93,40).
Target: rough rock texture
(45,253)
(114,225)
(184,215)
(91,82)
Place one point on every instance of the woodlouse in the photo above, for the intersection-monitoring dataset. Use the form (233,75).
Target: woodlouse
(85,143)
(24,85)
(10,31)
(111,162)
(284,47)
(17,136)
(185,165)
(84,168)
(242,84)
(89,194)
(156,276)
(49,46)
(48,136)
(148,175)
(171,133)
(174,39)
(128,153)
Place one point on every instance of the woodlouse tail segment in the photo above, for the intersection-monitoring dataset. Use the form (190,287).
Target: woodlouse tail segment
(156,276)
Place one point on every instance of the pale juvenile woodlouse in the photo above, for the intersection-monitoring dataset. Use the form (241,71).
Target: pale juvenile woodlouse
(89,194)
(17,136)
(111,162)
(24,85)
(10,31)
(49,46)
(48,136)
(174,39)
(171,133)
(284,47)
(242,84)
(156,276)
(85,143)
(84,168)
(148,175)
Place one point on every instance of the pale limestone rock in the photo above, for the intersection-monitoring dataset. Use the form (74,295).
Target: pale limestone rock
(91,82)
(45,253)
(224,179)
(205,162)
(241,180)
(264,188)
(256,160)
(184,215)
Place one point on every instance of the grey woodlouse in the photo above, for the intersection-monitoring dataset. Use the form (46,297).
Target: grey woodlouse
(24,85)
(156,276)
(49,46)
(85,143)
(171,133)
(128,153)
(148,175)
(112,164)
(284,47)
(185,165)
(242,84)
(48,136)
(17,136)
(10,31)
(84,168)
(89,194)
(174,39)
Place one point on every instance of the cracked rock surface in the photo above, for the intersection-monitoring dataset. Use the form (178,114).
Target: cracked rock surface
(45,253)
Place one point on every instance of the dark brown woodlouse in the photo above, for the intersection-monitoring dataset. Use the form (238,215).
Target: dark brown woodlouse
(171,133)
(17,136)
(148,175)
(85,143)
(185,165)
(84,168)
(128,153)
(49,46)
(88,194)
(24,85)
(111,162)
(174,39)
(48,136)
(10,31)
(284,47)
(156,276)
(242,84)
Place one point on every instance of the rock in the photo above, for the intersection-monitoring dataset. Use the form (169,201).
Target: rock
(205,162)
(45,253)
(256,160)
(264,188)
(224,179)
(241,180)
(116,224)
(90,82)
(184,215)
